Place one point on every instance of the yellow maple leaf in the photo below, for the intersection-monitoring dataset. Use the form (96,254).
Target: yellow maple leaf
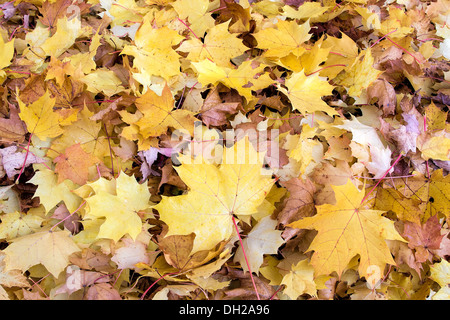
(153,53)
(343,51)
(397,24)
(262,239)
(16,224)
(287,38)
(219,46)
(50,192)
(50,248)
(236,187)
(305,11)
(40,118)
(87,133)
(85,61)
(304,149)
(432,191)
(435,117)
(359,75)
(67,31)
(120,208)
(104,81)
(300,280)
(347,229)
(408,209)
(125,10)
(309,61)
(436,146)
(6,55)
(306,92)
(196,12)
(12,278)
(158,114)
(440,272)
(244,78)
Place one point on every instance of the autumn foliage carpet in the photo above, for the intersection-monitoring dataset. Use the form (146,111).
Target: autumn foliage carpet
(216,150)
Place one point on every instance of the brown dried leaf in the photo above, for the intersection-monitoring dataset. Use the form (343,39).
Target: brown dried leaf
(385,94)
(423,237)
(102,291)
(12,129)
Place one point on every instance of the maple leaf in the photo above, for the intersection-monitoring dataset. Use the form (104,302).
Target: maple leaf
(408,209)
(16,224)
(214,111)
(343,53)
(85,132)
(92,86)
(435,117)
(219,45)
(40,118)
(12,129)
(304,149)
(288,37)
(380,156)
(50,192)
(215,194)
(384,92)
(52,11)
(299,203)
(306,92)
(431,191)
(178,253)
(308,61)
(102,291)
(196,11)
(359,75)
(239,15)
(346,229)
(153,53)
(397,21)
(245,78)
(305,11)
(158,114)
(12,278)
(77,279)
(65,93)
(299,280)
(262,239)
(67,31)
(74,164)
(11,160)
(435,147)
(104,81)
(130,254)
(84,61)
(440,274)
(9,199)
(7,53)
(423,238)
(71,221)
(118,201)
(50,248)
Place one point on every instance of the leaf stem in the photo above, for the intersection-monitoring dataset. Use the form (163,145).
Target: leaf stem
(160,278)
(81,205)
(110,150)
(406,51)
(384,175)
(25,159)
(245,257)
(333,65)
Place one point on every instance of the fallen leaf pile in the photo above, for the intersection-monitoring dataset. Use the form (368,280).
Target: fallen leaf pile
(218,149)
